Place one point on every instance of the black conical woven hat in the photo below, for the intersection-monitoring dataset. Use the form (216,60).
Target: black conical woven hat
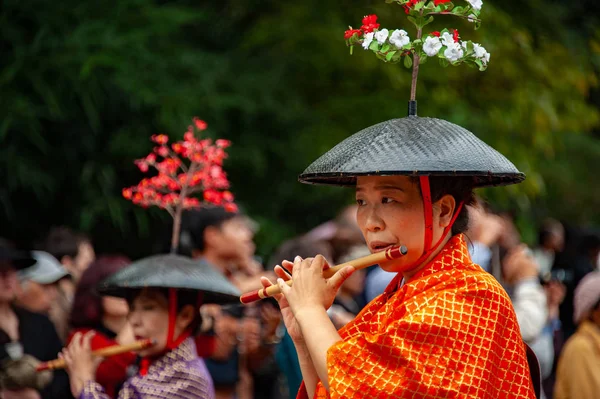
(412,146)
(171,271)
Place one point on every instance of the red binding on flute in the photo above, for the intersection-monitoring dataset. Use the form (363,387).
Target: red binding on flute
(360,263)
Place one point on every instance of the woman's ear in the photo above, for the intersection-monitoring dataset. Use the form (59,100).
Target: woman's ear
(185,317)
(446,206)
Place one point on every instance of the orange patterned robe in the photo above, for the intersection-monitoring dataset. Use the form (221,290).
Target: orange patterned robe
(450,332)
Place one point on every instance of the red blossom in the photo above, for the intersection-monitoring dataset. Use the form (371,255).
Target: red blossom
(436,33)
(193,166)
(369,23)
(409,4)
(189,136)
(455,36)
(178,148)
(161,139)
(142,165)
(163,151)
(222,143)
(230,207)
(351,32)
(438,2)
(200,124)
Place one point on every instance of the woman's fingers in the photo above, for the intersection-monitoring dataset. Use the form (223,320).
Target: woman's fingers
(86,341)
(265,282)
(287,266)
(282,273)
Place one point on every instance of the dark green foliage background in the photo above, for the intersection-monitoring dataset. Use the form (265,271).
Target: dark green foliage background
(84,84)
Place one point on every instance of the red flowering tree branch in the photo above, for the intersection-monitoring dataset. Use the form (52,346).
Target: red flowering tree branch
(184,169)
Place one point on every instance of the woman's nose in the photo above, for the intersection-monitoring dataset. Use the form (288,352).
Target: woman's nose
(374,222)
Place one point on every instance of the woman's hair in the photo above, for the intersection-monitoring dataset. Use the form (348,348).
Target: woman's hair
(87,310)
(461,188)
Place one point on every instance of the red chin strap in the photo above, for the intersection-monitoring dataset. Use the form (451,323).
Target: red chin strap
(171,342)
(428,210)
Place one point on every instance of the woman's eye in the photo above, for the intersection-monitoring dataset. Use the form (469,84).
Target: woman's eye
(386,200)
(360,202)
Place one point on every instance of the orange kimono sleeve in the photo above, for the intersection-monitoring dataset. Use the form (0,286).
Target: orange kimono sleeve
(454,344)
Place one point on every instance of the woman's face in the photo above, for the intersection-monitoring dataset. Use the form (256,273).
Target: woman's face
(115,307)
(235,239)
(390,212)
(149,319)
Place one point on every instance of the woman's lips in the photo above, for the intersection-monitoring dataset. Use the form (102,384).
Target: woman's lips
(378,246)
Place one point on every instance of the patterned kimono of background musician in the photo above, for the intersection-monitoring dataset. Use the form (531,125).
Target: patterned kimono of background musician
(178,374)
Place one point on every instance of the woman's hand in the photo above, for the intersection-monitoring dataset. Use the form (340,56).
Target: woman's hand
(310,289)
(81,364)
(289,320)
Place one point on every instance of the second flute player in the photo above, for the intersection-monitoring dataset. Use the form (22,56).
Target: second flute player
(443,328)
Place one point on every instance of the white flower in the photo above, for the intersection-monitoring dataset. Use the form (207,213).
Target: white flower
(447,39)
(399,38)
(432,46)
(472,18)
(381,36)
(479,50)
(464,45)
(481,53)
(454,52)
(367,40)
(476,4)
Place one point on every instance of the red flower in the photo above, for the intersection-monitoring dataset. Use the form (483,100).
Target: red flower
(438,2)
(178,148)
(227,196)
(222,143)
(436,33)
(189,136)
(230,207)
(162,151)
(160,139)
(455,36)
(200,124)
(127,193)
(369,23)
(351,32)
(142,164)
(411,3)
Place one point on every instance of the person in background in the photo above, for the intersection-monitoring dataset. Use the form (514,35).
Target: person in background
(225,241)
(582,263)
(551,241)
(348,300)
(38,289)
(497,246)
(25,332)
(171,368)
(75,252)
(286,356)
(578,373)
(107,317)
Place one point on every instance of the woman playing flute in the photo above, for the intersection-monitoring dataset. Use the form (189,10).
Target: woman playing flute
(164,294)
(443,328)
